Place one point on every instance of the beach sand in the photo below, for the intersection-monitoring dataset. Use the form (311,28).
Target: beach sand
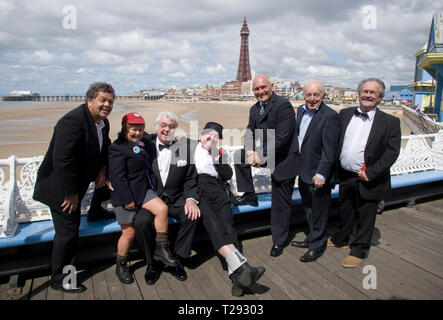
(26,131)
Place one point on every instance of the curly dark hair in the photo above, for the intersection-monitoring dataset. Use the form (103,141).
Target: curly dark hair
(99,86)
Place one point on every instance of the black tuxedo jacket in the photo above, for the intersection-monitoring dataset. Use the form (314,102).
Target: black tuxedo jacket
(181,183)
(382,149)
(320,143)
(73,159)
(129,166)
(280,116)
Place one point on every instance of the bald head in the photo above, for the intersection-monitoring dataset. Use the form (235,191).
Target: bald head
(313,85)
(262,87)
(313,93)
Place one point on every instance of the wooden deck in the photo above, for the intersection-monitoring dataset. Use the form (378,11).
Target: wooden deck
(407,254)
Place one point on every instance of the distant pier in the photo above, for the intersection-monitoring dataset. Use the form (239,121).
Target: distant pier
(47,98)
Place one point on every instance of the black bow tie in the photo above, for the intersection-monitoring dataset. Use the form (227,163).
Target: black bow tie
(163,146)
(358,113)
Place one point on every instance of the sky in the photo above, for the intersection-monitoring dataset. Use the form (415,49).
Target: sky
(62,46)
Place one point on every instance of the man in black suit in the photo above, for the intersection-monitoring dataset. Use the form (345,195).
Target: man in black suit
(76,156)
(369,144)
(176,184)
(318,127)
(276,118)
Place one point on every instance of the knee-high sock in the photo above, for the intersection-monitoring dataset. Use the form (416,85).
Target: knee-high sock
(234,260)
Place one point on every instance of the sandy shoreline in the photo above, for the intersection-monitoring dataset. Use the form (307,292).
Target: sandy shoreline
(25,131)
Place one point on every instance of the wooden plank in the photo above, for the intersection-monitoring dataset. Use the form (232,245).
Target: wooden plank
(262,288)
(222,281)
(54,294)
(147,292)
(329,267)
(132,291)
(416,234)
(204,287)
(281,278)
(313,279)
(3,288)
(354,277)
(196,284)
(100,286)
(177,287)
(413,219)
(25,291)
(163,289)
(409,251)
(40,287)
(87,282)
(419,279)
(115,287)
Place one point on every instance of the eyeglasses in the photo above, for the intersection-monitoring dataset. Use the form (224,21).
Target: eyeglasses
(163,125)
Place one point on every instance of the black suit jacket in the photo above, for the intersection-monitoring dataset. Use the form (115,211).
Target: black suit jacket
(382,149)
(73,159)
(129,165)
(181,183)
(320,143)
(280,116)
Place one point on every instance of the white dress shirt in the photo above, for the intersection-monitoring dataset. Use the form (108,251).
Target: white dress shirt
(163,160)
(99,126)
(204,162)
(352,156)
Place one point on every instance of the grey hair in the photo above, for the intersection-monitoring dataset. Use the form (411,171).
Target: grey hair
(169,115)
(94,88)
(380,83)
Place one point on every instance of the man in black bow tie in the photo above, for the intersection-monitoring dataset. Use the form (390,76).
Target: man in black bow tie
(274,117)
(369,144)
(175,180)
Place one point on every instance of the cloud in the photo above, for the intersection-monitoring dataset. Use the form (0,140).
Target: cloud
(217,69)
(133,68)
(170,42)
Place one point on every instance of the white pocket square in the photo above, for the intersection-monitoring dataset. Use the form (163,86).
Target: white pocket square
(181,163)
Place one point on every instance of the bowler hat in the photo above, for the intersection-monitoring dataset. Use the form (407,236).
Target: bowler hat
(214,126)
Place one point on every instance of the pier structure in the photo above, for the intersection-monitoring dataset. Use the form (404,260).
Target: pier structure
(428,79)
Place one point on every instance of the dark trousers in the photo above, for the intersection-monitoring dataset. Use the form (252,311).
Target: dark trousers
(281,209)
(216,212)
(243,172)
(145,232)
(357,219)
(64,247)
(316,206)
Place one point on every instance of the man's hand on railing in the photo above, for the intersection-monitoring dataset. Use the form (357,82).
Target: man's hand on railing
(70,204)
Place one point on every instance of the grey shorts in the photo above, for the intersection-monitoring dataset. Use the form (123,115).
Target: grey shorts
(127,216)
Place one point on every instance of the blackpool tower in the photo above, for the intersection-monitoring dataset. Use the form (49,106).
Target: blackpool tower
(244,69)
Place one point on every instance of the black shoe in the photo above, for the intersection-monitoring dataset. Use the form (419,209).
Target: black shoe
(68,288)
(179,272)
(123,273)
(249,198)
(276,250)
(244,277)
(312,255)
(163,254)
(95,214)
(151,275)
(299,244)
